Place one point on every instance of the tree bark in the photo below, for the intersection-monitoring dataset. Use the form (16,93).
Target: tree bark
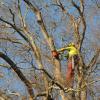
(19,73)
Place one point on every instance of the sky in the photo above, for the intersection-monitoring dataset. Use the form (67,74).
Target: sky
(52,14)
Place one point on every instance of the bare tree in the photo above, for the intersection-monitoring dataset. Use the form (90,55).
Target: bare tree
(34,37)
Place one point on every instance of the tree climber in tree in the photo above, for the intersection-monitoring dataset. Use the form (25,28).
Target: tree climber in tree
(72,59)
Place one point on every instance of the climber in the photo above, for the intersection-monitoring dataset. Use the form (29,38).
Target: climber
(72,51)
(72,55)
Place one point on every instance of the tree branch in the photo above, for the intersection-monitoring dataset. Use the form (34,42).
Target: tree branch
(48,39)
(81,11)
(19,73)
(28,39)
(13,15)
(53,80)
(15,28)
(94,59)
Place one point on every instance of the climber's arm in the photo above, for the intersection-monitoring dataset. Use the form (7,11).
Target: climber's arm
(64,48)
(69,48)
(61,50)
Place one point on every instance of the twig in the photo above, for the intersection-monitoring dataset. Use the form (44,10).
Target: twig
(15,28)
(13,15)
(94,59)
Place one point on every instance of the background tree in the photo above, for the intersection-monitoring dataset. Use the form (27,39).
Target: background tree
(31,32)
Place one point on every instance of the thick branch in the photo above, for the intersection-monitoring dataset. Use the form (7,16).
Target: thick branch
(19,73)
(28,39)
(39,19)
(47,38)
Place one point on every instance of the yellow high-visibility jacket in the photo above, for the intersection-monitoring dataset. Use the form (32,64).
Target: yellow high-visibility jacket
(71,50)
